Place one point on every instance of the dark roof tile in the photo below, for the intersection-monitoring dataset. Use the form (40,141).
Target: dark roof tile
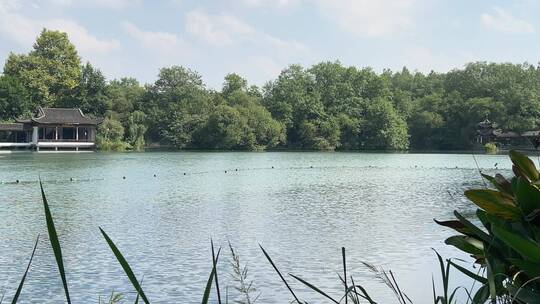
(68,116)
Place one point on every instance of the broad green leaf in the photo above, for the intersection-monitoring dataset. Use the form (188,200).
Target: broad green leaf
(474,231)
(467,244)
(125,266)
(525,165)
(500,183)
(456,225)
(527,195)
(530,268)
(481,296)
(469,273)
(526,248)
(493,202)
(524,294)
(55,243)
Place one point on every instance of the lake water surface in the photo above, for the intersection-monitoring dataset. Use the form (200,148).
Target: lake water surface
(303,210)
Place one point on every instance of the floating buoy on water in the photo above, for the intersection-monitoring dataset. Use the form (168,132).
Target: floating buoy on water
(123,177)
(71,179)
(17,181)
(184,173)
(225,171)
(235,169)
(272,167)
(155,175)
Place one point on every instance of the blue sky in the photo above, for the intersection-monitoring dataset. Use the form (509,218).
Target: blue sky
(258,38)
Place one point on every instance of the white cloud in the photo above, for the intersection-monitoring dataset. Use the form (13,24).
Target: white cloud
(503,21)
(226,30)
(217,30)
(8,5)
(161,42)
(265,66)
(273,3)
(110,4)
(25,30)
(370,18)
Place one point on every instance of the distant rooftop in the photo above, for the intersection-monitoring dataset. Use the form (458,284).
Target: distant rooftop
(66,116)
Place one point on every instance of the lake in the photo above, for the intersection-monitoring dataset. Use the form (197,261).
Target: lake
(301,206)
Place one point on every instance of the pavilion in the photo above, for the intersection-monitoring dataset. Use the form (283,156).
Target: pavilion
(51,129)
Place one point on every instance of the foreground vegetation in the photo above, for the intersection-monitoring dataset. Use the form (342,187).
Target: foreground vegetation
(325,106)
(505,248)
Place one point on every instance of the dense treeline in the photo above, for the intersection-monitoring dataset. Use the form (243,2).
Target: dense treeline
(326,106)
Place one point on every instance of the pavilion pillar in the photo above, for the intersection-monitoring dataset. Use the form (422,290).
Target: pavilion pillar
(35,136)
(76,133)
(56,133)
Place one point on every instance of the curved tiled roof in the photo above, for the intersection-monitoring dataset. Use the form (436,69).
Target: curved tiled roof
(68,116)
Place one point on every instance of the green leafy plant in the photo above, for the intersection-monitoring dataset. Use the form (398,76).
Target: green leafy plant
(491,148)
(506,245)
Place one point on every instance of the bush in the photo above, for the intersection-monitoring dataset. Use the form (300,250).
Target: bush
(110,136)
(506,247)
(491,148)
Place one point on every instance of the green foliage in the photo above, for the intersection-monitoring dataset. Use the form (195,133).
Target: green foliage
(136,129)
(323,107)
(507,247)
(110,136)
(90,93)
(384,128)
(491,148)
(50,71)
(14,99)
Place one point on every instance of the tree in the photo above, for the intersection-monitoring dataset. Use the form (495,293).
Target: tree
(225,130)
(233,82)
(177,92)
(90,94)
(110,136)
(14,100)
(50,71)
(136,130)
(384,128)
(125,95)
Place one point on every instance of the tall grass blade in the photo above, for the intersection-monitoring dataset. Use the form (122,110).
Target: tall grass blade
(365,294)
(125,266)
(401,294)
(208,288)
(55,244)
(19,289)
(280,275)
(344,273)
(214,262)
(314,288)
(355,292)
(138,294)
